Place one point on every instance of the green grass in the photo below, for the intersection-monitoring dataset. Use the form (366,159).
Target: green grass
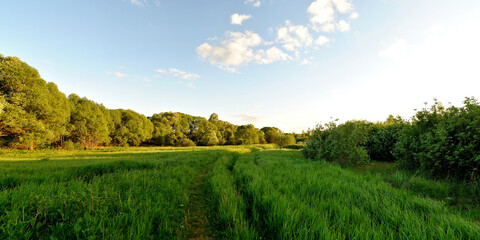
(250,192)
(461,197)
(115,196)
(289,197)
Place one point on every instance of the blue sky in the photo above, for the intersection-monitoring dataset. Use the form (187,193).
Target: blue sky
(290,64)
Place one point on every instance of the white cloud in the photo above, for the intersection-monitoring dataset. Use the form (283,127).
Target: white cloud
(321,12)
(322,40)
(343,6)
(248,118)
(238,19)
(117,74)
(305,62)
(323,15)
(255,3)
(234,51)
(138,2)
(271,55)
(143,3)
(178,73)
(294,37)
(343,26)
(354,15)
(238,49)
(397,49)
(327,27)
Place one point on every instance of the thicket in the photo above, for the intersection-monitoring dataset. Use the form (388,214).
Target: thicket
(444,142)
(35,114)
(441,142)
(283,140)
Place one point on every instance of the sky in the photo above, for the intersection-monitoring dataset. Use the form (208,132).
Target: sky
(289,64)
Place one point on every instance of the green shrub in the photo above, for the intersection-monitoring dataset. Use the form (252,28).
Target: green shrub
(185,142)
(382,139)
(284,139)
(69,145)
(344,143)
(443,142)
(294,147)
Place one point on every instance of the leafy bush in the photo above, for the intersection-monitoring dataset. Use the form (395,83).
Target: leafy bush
(382,139)
(294,147)
(208,139)
(344,143)
(185,142)
(284,139)
(69,145)
(443,142)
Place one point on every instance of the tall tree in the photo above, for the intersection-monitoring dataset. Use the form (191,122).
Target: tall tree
(131,128)
(88,122)
(271,133)
(247,134)
(35,113)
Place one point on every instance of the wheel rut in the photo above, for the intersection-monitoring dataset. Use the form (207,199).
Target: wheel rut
(196,222)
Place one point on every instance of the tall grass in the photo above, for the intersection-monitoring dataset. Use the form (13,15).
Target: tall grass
(252,193)
(289,197)
(227,207)
(139,196)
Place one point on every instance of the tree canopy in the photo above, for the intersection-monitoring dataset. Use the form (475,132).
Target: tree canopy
(35,114)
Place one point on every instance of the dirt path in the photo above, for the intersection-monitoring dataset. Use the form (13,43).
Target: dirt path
(196,219)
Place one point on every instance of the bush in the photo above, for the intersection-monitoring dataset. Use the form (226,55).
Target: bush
(185,142)
(208,139)
(382,139)
(443,142)
(69,145)
(294,147)
(284,139)
(344,143)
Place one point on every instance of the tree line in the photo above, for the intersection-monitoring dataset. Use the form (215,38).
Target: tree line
(35,114)
(438,141)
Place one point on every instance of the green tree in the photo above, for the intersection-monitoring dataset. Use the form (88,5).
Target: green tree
(271,133)
(35,112)
(88,123)
(247,134)
(130,128)
(209,139)
(283,140)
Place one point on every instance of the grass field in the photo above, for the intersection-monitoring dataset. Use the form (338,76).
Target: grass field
(242,192)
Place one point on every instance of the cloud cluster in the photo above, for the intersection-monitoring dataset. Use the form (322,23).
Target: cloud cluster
(294,37)
(178,73)
(255,3)
(143,3)
(239,49)
(324,15)
(237,19)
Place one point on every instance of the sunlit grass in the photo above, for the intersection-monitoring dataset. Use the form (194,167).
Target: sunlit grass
(251,192)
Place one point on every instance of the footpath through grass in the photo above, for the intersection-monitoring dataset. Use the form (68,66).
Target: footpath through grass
(140,195)
(212,193)
(281,195)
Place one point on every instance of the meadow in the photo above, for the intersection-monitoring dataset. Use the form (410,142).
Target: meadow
(239,192)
